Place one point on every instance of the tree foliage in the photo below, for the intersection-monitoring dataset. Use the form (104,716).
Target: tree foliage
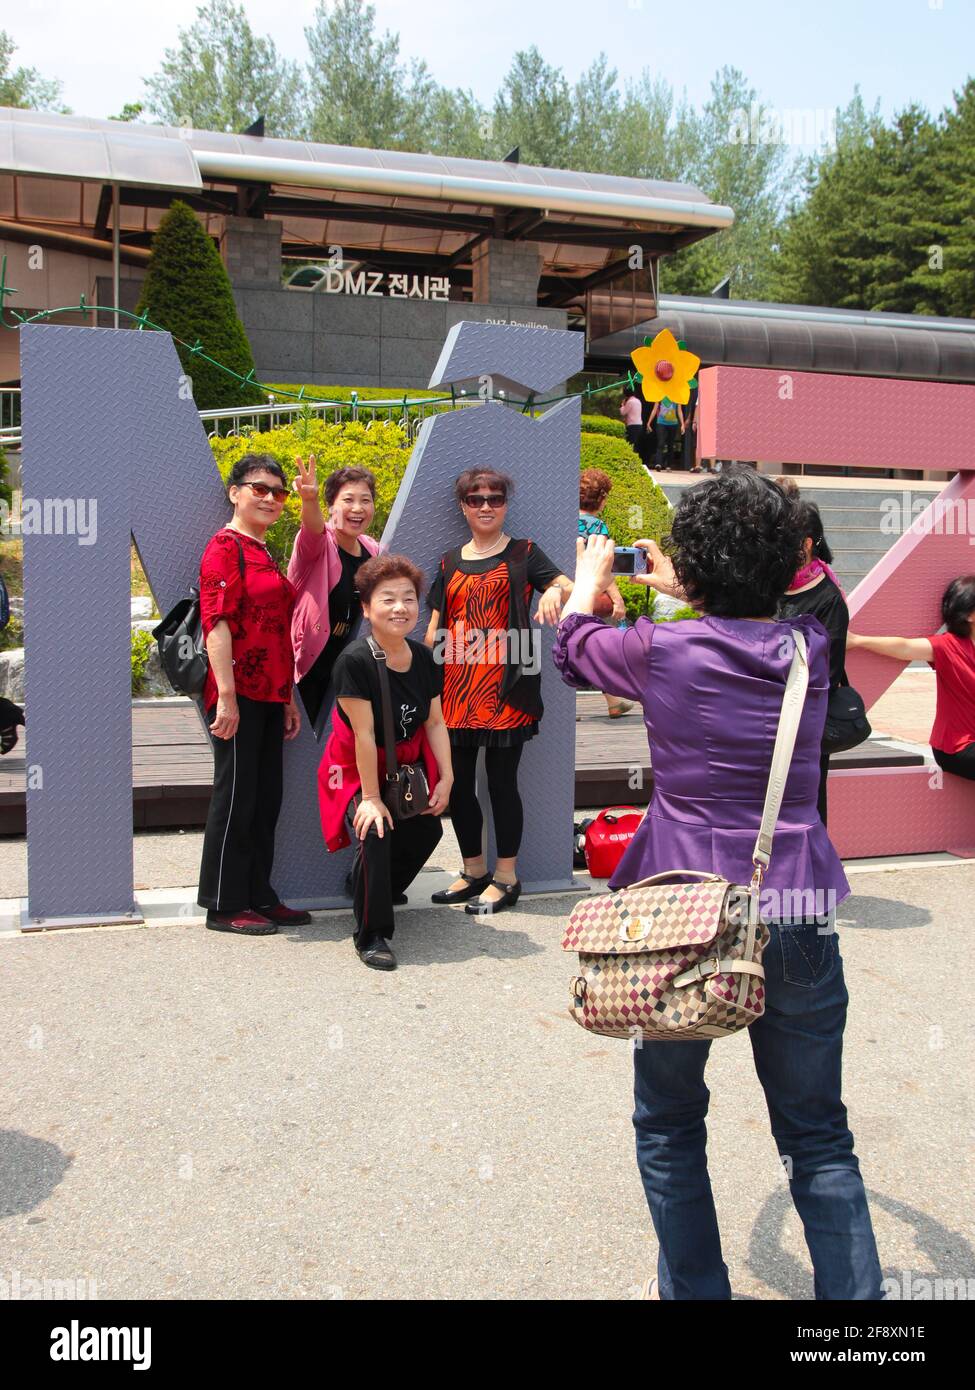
(25,87)
(187,292)
(222,76)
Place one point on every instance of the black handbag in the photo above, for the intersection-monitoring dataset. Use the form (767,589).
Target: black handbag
(405,790)
(846,720)
(182,647)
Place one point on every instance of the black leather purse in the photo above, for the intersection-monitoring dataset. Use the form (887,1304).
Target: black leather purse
(405,790)
(846,720)
(182,647)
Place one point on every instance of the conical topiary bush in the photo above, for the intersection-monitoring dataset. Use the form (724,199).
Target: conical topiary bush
(187,291)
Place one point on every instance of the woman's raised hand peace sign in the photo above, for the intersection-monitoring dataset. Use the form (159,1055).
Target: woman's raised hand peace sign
(306,483)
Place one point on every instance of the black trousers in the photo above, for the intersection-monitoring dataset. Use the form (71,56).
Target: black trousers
(668,443)
(962,763)
(382,868)
(501,766)
(639,440)
(238,843)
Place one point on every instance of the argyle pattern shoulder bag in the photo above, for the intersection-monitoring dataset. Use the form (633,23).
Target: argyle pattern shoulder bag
(666,960)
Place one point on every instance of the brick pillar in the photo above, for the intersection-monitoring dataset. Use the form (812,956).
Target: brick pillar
(251,251)
(506,272)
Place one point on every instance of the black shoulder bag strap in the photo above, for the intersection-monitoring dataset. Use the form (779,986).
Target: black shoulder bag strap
(386,701)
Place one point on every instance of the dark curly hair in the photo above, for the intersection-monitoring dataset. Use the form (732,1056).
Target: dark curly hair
(958,604)
(736,541)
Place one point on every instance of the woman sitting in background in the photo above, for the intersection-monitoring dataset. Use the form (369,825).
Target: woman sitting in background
(952,655)
(712,690)
(323,568)
(390,853)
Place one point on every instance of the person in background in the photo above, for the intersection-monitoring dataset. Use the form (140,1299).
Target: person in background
(631,410)
(594,488)
(736,545)
(689,443)
(323,567)
(245,612)
(816,590)
(492,698)
(11,718)
(389,854)
(667,418)
(952,655)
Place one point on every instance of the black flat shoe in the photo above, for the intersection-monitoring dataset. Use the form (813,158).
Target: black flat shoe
(511,891)
(399,899)
(461,895)
(377,954)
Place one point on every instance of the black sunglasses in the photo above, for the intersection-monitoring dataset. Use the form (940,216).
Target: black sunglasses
(479,499)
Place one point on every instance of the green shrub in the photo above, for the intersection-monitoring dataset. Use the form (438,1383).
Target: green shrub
(379,447)
(11,636)
(6,491)
(142,645)
(187,291)
(636,507)
(603,424)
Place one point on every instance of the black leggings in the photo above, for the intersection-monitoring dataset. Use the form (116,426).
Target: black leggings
(501,765)
(962,763)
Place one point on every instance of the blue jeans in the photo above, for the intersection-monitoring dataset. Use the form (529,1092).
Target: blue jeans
(798,1047)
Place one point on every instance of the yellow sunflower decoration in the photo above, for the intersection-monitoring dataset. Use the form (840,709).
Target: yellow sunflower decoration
(667,368)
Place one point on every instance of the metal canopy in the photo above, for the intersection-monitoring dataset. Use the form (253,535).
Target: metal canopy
(797,337)
(394,204)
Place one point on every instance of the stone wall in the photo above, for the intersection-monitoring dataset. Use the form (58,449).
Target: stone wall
(361,340)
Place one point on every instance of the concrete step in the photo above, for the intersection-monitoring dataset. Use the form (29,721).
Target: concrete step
(859,537)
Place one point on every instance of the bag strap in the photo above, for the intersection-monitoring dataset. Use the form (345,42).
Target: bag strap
(785,742)
(392,767)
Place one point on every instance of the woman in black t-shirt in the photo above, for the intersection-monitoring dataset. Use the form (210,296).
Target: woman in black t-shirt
(816,590)
(389,854)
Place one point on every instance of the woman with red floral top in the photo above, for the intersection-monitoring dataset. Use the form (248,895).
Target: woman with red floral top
(952,654)
(245,608)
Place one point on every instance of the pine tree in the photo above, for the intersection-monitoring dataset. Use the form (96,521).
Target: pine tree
(187,291)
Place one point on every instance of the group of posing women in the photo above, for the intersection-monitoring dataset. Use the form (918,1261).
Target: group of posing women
(271,638)
(750,556)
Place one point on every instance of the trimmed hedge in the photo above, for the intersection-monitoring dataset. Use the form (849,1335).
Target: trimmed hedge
(602,424)
(378,447)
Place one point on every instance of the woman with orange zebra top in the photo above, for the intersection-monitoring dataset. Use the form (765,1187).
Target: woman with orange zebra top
(480,630)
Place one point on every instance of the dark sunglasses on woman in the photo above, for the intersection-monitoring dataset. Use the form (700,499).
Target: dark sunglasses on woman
(263,490)
(479,499)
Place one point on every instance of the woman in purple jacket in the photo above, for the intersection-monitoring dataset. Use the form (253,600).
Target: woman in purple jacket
(711,690)
(323,566)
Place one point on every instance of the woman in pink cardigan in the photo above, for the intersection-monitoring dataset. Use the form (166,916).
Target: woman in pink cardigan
(323,566)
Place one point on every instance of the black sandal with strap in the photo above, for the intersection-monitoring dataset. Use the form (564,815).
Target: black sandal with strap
(461,895)
(511,891)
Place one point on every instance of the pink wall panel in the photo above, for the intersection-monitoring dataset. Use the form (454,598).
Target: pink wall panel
(901,810)
(902,593)
(812,417)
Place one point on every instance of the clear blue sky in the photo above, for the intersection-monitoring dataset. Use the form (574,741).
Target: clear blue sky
(798,55)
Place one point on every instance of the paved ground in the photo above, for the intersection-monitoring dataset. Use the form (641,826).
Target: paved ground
(187,1115)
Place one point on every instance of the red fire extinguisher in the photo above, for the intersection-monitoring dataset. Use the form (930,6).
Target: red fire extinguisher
(607,837)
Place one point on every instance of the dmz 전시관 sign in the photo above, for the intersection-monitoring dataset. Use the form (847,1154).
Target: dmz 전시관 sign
(375,282)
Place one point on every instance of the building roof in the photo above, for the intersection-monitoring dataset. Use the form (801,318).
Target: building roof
(58,171)
(799,337)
